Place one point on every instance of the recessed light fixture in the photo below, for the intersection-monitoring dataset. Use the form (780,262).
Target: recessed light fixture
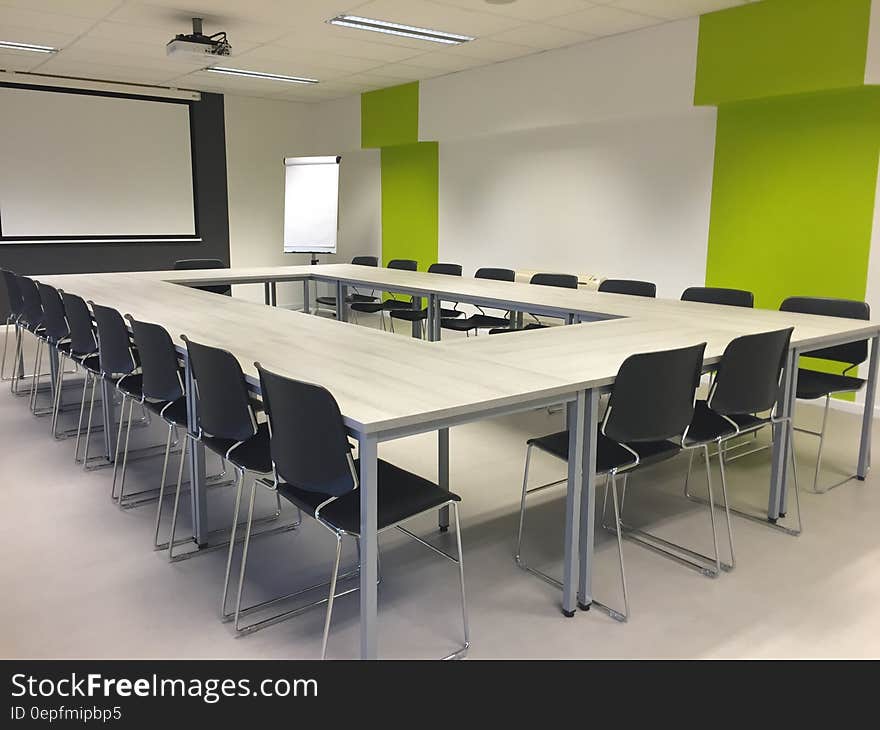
(13,46)
(260,75)
(407,31)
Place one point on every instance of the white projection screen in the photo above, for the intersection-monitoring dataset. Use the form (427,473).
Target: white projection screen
(311,204)
(86,166)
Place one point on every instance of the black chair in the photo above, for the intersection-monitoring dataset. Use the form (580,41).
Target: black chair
(195,264)
(420,315)
(719,295)
(388,305)
(163,393)
(629,286)
(746,384)
(228,427)
(119,365)
(330,302)
(563,281)
(815,384)
(31,320)
(14,309)
(649,411)
(84,353)
(313,469)
(481,320)
(57,337)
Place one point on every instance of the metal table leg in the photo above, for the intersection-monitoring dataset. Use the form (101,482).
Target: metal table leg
(273,293)
(196,464)
(433,306)
(576,431)
(868,415)
(587,495)
(443,474)
(306,296)
(341,294)
(368,455)
(417,325)
(267,294)
(784,408)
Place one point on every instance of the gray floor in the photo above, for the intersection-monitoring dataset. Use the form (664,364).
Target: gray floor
(80,579)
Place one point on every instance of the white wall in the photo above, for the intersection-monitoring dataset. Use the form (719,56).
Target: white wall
(260,133)
(589,159)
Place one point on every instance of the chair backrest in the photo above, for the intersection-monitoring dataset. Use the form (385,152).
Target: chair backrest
(629,286)
(450,269)
(718,295)
(852,353)
(54,319)
(82,333)
(747,380)
(224,406)
(32,305)
(114,343)
(653,395)
(365,261)
(159,365)
(309,445)
(404,264)
(13,293)
(194,264)
(496,274)
(566,281)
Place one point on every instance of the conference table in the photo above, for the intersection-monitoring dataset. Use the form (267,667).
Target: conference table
(390,387)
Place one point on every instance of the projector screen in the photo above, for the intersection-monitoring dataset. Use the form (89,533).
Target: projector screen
(82,166)
(311,204)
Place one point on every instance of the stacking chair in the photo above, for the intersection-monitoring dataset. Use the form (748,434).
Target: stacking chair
(120,365)
(564,281)
(719,295)
(392,304)
(648,414)
(313,468)
(629,286)
(746,383)
(420,315)
(84,353)
(330,302)
(194,264)
(14,304)
(481,320)
(57,338)
(814,384)
(228,427)
(32,321)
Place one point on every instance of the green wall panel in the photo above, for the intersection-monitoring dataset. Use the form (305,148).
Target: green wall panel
(779,47)
(410,189)
(390,116)
(793,195)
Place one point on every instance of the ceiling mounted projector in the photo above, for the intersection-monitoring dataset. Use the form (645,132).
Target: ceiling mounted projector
(198,45)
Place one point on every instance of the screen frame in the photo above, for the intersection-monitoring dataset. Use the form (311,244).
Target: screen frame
(194,237)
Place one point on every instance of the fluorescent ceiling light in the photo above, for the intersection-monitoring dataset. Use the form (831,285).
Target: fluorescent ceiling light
(408,31)
(13,46)
(261,75)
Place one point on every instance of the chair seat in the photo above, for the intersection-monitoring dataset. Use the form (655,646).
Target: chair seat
(504,330)
(174,411)
(410,315)
(400,495)
(92,363)
(609,454)
(475,321)
(707,425)
(252,455)
(328,301)
(132,385)
(814,384)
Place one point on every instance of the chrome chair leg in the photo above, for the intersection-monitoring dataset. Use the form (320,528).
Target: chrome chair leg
(82,408)
(118,446)
(162,487)
(85,460)
(125,452)
(821,445)
(56,404)
(330,596)
(712,509)
(625,616)
(5,349)
(517,556)
(35,379)
(173,536)
(239,483)
(244,555)
(464,611)
(721,458)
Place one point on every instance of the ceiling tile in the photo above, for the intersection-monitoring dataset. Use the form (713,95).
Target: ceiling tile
(77,8)
(273,55)
(445,62)
(489,50)
(18,61)
(542,37)
(674,9)
(350,42)
(426,14)
(405,72)
(604,21)
(523,9)
(369,81)
(34,35)
(50,22)
(102,71)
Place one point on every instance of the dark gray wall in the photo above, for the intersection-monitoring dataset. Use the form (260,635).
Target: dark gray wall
(212,210)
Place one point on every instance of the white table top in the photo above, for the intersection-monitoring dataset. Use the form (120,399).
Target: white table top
(385,382)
